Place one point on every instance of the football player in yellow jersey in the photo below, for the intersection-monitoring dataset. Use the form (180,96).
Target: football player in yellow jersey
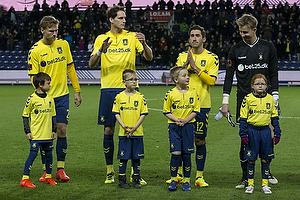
(117,51)
(130,110)
(257,112)
(181,106)
(203,69)
(53,56)
(39,119)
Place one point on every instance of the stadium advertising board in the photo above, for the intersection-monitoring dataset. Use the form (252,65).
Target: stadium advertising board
(159,15)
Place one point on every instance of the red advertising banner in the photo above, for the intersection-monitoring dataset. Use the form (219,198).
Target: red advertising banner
(160,15)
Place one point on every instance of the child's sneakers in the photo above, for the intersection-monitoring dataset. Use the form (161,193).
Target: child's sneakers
(26,183)
(50,181)
(249,189)
(186,186)
(123,182)
(266,189)
(173,186)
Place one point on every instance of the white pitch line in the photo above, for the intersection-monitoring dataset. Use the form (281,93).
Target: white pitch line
(160,110)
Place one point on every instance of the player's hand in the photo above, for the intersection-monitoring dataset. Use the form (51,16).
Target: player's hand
(77,99)
(53,136)
(131,130)
(191,60)
(29,136)
(225,110)
(179,122)
(245,140)
(106,43)
(141,37)
(276,140)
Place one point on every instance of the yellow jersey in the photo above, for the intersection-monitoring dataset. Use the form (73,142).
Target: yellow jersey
(181,105)
(40,111)
(56,61)
(258,111)
(130,108)
(120,55)
(208,63)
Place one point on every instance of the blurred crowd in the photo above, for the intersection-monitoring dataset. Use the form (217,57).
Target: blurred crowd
(279,24)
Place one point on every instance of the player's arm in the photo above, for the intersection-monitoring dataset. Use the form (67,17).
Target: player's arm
(209,80)
(27,128)
(171,117)
(273,71)
(230,68)
(74,80)
(54,127)
(120,121)
(147,50)
(96,57)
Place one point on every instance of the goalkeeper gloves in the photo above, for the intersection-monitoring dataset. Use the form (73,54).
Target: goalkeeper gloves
(276,140)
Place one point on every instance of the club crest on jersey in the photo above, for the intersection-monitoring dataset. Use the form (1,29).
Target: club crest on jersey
(43,64)
(191,100)
(268,105)
(203,63)
(59,49)
(125,42)
(260,56)
(136,103)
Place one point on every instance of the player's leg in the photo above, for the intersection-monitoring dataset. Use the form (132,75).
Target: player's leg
(267,153)
(250,153)
(62,118)
(136,173)
(271,177)
(106,118)
(250,176)
(124,154)
(137,155)
(187,149)
(175,149)
(61,151)
(200,143)
(108,147)
(122,174)
(47,148)
(43,158)
(25,182)
(244,181)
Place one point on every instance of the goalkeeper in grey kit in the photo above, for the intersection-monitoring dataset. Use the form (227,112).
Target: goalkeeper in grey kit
(250,56)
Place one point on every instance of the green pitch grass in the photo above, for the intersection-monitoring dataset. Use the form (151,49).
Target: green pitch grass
(85,162)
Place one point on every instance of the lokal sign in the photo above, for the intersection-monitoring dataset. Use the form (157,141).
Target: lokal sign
(159,15)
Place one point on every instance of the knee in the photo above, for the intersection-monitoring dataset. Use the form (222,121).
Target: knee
(251,161)
(264,161)
(61,130)
(109,130)
(199,141)
(177,153)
